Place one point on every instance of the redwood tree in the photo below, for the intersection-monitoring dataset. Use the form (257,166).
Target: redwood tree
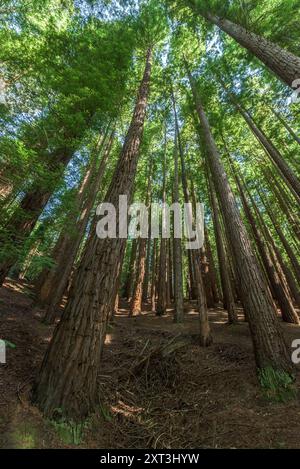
(68,376)
(269,345)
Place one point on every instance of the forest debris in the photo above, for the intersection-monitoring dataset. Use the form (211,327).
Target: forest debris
(159,363)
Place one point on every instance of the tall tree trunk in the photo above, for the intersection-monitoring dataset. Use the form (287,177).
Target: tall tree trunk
(68,376)
(145,293)
(281,62)
(177,250)
(168,291)
(269,346)
(210,277)
(276,180)
(205,270)
(228,296)
(162,275)
(131,270)
(154,259)
(205,337)
(170,275)
(136,301)
(49,276)
(212,268)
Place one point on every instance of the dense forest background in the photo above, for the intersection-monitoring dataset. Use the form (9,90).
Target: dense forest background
(175,101)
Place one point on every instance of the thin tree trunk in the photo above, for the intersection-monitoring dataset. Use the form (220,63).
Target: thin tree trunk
(286,125)
(136,301)
(171,282)
(205,337)
(168,292)
(228,296)
(212,268)
(205,270)
(177,250)
(145,293)
(162,275)
(153,275)
(131,270)
(68,376)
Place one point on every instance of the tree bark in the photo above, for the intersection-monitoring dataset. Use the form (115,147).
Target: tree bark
(68,376)
(281,62)
(270,348)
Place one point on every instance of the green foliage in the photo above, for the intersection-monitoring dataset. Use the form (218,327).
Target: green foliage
(69,432)
(277,385)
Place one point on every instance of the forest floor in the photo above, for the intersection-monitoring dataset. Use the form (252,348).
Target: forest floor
(158,388)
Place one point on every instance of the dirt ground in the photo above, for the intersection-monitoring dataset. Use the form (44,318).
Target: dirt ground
(192,398)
